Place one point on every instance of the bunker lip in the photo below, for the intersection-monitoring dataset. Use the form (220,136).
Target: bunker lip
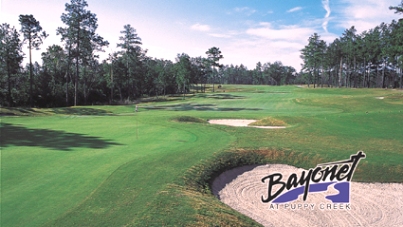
(370,204)
(241,123)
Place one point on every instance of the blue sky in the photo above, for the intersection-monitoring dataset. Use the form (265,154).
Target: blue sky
(246,31)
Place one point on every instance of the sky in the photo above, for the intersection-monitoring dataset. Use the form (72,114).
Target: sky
(246,31)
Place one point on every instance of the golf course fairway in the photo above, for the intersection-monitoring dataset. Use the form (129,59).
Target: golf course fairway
(112,166)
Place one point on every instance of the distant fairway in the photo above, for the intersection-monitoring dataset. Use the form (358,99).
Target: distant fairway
(110,166)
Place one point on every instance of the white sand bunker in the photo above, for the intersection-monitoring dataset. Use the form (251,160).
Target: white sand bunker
(371,204)
(240,123)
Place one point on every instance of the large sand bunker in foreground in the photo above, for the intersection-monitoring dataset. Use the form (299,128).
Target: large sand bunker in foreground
(371,204)
(240,123)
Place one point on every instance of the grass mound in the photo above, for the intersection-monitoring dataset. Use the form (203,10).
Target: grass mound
(189,119)
(269,121)
(201,176)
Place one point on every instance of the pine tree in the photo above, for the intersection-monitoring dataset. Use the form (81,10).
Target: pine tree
(11,56)
(31,29)
(80,37)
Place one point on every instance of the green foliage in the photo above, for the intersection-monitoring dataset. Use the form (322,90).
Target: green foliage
(398,9)
(11,57)
(183,72)
(369,59)
(81,41)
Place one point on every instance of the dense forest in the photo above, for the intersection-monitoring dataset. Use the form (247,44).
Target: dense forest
(73,74)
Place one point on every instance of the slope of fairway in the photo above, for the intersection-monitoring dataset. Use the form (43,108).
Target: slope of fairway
(109,166)
(66,159)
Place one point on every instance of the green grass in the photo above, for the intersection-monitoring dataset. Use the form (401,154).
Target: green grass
(110,166)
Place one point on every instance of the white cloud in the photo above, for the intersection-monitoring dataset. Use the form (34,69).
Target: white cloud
(367,15)
(326,6)
(295,9)
(269,44)
(249,51)
(293,32)
(244,10)
(217,35)
(200,27)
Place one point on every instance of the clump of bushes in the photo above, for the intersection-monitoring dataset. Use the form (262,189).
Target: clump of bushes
(189,119)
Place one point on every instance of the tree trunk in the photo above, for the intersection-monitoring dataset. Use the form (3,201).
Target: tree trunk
(67,87)
(120,93)
(9,85)
(68,75)
(346,77)
(355,72)
(77,65)
(213,83)
(340,71)
(369,77)
(112,85)
(383,75)
(184,89)
(377,75)
(31,81)
(365,70)
(85,93)
(75,85)
(328,81)
(315,74)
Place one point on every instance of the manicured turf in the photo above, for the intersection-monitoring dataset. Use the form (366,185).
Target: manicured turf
(109,166)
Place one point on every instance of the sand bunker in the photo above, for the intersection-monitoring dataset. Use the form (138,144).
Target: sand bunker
(371,204)
(240,123)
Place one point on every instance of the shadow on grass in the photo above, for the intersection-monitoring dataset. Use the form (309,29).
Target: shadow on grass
(272,92)
(161,99)
(220,96)
(199,107)
(12,135)
(81,111)
(17,111)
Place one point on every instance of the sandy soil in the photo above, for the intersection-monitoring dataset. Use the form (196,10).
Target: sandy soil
(371,204)
(240,123)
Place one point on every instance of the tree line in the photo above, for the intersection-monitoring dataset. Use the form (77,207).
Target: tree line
(73,74)
(373,58)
